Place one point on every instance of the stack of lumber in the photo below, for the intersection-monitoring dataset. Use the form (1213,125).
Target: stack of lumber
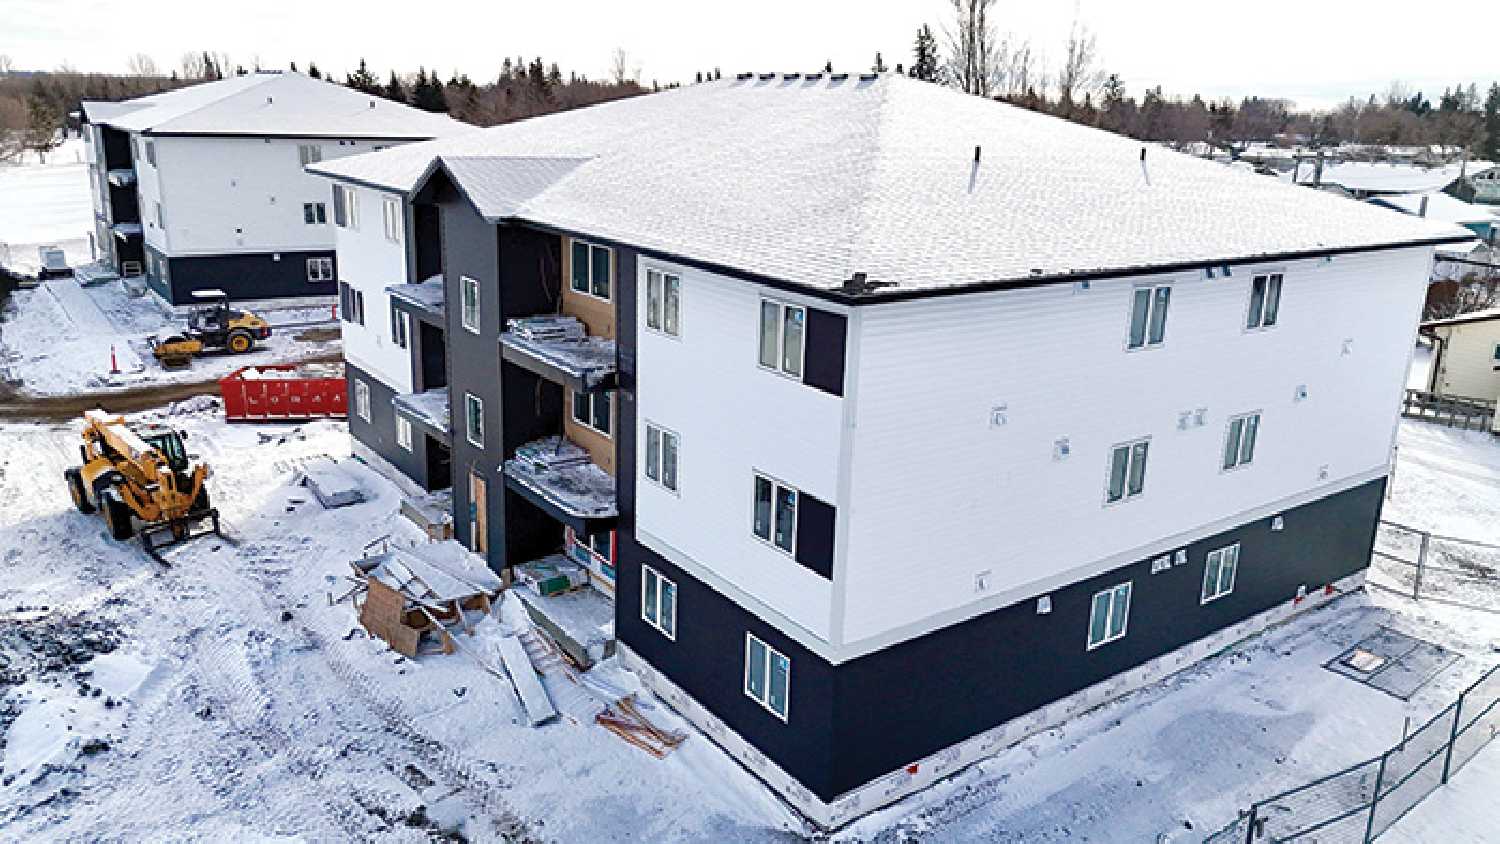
(550,453)
(547,328)
(626,720)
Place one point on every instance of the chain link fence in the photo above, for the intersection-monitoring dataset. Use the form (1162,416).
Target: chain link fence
(1362,801)
(1434,567)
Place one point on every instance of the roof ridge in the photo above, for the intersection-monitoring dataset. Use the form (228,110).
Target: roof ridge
(213,102)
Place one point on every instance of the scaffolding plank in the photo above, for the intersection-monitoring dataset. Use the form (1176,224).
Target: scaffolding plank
(528,686)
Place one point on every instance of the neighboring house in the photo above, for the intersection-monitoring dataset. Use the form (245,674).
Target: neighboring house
(1362,179)
(204,187)
(925,421)
(1466,360)
(1484,184)
(1482,220)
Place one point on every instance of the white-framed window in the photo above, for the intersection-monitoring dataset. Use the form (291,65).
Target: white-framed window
(664,302)
(591,269)
(775,515)
(598,547)
(314,213)
(390,210)
(1218,572)
(1127,470)
(161,218)
(469,288)
(783,336)
(320,269)
(768,676)
(309,154)
(1239,439)
(593,411)
(400,327)
(1108,613)
(345,207)
(1148,316)
(659,602)
(151,153)
(403,432)
(362,399)
(661,455)
(352,303)
(1265,301)
(474,419)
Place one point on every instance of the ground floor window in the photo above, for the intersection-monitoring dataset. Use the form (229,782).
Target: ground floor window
(659,602)
(593,551)
(403,432)
(1219,571)
(768,675)
(362,400)
(320,269)
(1108,614)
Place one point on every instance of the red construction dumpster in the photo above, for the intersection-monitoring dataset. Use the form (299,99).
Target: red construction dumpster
(285,392)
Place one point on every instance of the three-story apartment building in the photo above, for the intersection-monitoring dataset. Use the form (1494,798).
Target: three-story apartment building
(204,187)
(908,423)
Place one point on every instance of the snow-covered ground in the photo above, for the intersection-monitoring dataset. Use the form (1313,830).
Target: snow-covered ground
(247,707)
(57,339)
(46,205)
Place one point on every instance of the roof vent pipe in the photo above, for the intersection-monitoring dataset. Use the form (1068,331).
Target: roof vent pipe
(1146,174)
(268,101)
(976,153)
(1422,212)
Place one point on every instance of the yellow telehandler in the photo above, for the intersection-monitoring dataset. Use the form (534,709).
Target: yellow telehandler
(142,480)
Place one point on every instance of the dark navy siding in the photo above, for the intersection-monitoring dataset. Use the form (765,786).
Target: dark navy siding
(827,339)
(379,434)
(261,275)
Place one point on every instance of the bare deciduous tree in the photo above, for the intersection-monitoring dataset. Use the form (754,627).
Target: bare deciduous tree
(6,65)
(1079,76)
(620,71)
(142,65)
(974,53)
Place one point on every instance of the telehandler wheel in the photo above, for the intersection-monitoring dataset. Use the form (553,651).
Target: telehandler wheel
(76,489)
(200,503)
(116,515)
(240,341)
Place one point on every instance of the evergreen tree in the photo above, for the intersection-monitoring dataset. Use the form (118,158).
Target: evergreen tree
(312,70)
(363,80)
(1491,143)
(554,77)
(506,70)
(925,56)
(427,94)
(394,90)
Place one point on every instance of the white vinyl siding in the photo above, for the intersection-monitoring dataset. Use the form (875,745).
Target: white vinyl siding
(659,602)
(474,420)
(1127,471)
(1148,316)
(768,676)
(403,432)
(1219,571)
(664,302)
(661,456)
(1265,301)
(362,400)
(1108,613)
(591,269)
(469,289)
(783,336)
(1239,440)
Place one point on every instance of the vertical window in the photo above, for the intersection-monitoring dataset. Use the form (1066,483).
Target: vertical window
(314,213)
(320,269)
(340,206)
(347,214)
(1107,615)
(474,416)
(1127,471)
(1219,571)
(1239,441)
(403,432)
(664,302)
(775,514)
(782,336)
(592,410)
(1265,301)
(400,327)
(661,456)
(470,315)
(1148,316)
(591,269)
(659,602)
(151,153)
(362,400)
(309,154)
(768,675)
(357,302)
(161,219)
(391,211)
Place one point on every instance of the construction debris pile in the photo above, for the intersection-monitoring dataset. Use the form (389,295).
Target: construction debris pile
(296,372)
(552,575)
(415,603)
(561,471)
(547,328)
(563,342)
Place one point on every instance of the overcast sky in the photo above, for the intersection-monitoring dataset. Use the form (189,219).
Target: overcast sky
(1317,54)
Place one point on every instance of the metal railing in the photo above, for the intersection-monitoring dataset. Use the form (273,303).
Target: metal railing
(1453,411)
(1429,566)
(1363,800)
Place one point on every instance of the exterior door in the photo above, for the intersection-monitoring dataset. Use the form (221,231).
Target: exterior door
(478,519)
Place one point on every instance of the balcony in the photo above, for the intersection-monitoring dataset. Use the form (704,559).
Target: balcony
(558,476)
(122,177)
(428,410)
(425,299)
(126,230)
(556,348)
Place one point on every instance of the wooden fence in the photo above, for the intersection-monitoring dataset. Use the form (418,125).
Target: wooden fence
(1453,411)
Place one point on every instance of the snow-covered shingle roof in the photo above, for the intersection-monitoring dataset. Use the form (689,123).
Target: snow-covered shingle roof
(1385,177)
(1441,206)
(812,179)
(272,105)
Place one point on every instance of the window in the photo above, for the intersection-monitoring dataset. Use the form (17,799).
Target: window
(314,213)
(470,314)
(1148,316)
(309,154)
(664,302)
(1108,614)
(782,330)
(353,305)
(661,456)
(161,219)
(345,207)
(474,414)
(362,400)
(659,602)
(1127,471)
(1239,442)
(151,153)
(400,327)
(1218,572)
(403,432)
(321,269)
(775,513)
(768,675)
(592,410)
(1265,301)
(391,211)
(590,273)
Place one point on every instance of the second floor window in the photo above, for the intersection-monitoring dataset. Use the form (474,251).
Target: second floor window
(314,213)
(391,210)
(400,327)
(1148,316)
(592,410)
(470,314)
(775,518)
(661,456)
(1239,441)
(664,302)
(309,154)
(1265,301)
(782,336)
(474,418)
(161,218)
(1127,471)
(151,153)
(345,207)
(590,271)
